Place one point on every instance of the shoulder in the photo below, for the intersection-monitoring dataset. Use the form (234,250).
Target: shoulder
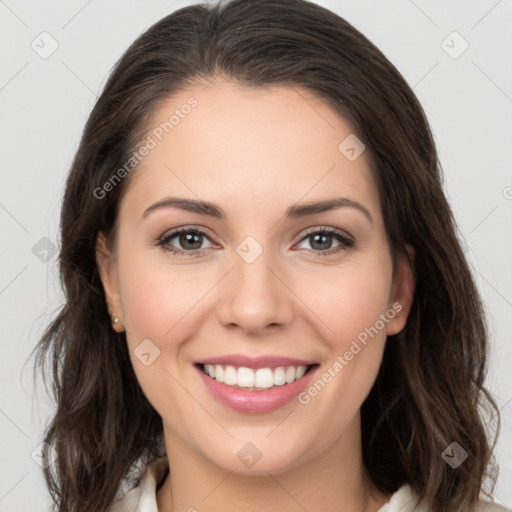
(138,492)
(404,500)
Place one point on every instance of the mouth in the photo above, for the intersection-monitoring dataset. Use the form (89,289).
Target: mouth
(255,390)
(251,379)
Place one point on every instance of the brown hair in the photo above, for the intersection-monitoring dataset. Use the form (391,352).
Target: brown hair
(429,390)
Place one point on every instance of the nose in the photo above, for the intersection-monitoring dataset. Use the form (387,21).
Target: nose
(255,297)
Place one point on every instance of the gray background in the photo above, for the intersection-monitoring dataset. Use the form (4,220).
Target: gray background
(45,102)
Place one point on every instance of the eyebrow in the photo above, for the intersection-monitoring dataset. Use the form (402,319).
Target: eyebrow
(293,212)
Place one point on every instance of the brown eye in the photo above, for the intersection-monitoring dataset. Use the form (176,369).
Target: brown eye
(189,241)
(321,241)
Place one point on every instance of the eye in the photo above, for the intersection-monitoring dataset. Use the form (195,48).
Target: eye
(321,240)
(190,240)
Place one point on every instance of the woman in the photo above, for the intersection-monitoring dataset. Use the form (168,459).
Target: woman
(321,344)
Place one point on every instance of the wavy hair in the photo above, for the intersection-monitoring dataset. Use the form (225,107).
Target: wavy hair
(430,389)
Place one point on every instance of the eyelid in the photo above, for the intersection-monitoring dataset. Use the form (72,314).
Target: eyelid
(172,233)
(320,229)
(206,231)
(195,227)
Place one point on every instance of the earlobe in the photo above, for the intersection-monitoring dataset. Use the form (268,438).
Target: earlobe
(402,292)
(107,268)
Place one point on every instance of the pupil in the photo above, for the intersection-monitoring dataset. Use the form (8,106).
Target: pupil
(192,239)
(320,236)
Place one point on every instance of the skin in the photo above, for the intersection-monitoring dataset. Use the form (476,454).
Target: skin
(255,152)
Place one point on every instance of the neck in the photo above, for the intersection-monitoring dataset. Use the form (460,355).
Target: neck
(334,479)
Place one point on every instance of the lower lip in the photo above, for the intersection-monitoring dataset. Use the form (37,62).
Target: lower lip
(252,401)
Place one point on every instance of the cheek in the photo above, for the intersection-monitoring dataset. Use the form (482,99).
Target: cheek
(156,299)
(348,300)
(158,305)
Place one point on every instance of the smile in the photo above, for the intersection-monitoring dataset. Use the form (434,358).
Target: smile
(262,378)
(255,391)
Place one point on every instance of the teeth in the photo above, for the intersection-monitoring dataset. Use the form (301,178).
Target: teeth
(290,374)
(263,378)
(218,372)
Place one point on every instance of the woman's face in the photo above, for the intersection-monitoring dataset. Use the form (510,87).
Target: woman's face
(258,282)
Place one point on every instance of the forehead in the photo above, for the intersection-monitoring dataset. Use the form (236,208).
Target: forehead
(249,148)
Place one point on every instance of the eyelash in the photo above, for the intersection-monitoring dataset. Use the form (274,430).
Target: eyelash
(346,242)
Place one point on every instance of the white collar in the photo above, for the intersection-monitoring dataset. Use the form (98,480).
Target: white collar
(138,493)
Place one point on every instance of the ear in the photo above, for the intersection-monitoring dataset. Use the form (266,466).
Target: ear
(402,292)
(107,267)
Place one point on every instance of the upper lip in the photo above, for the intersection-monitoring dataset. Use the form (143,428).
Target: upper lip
(265,361)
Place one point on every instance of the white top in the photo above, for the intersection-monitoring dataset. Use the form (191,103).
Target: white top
(142,496)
